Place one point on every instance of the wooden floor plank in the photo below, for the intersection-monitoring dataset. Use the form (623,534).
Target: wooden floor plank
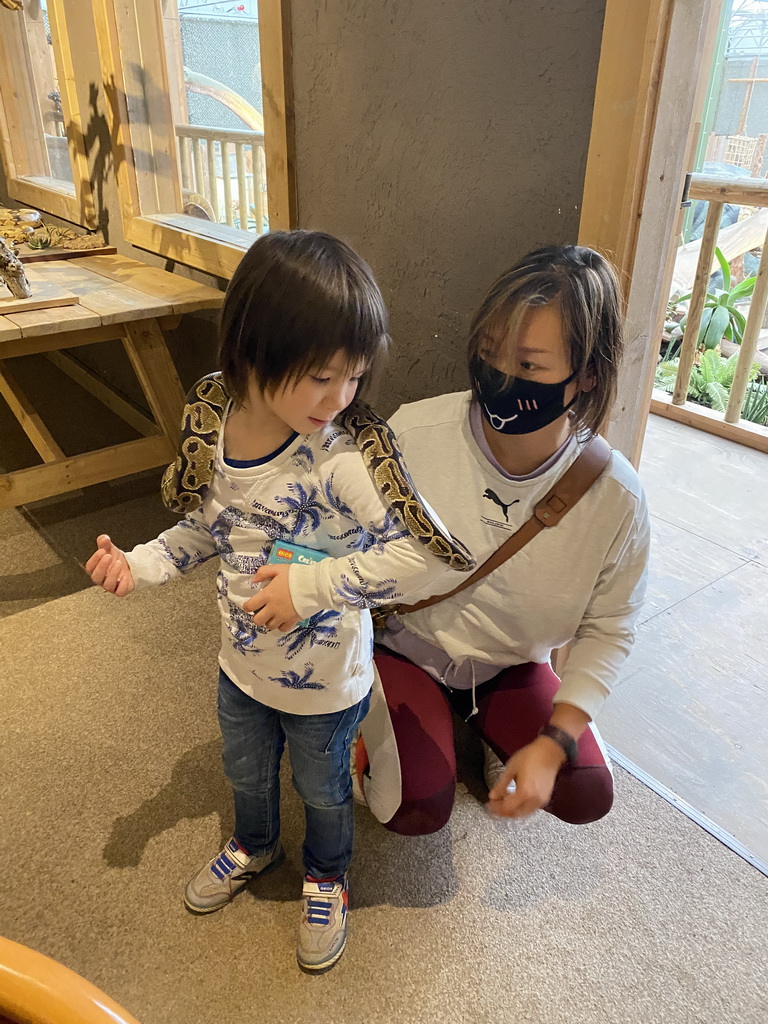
(690,707)
(712,487)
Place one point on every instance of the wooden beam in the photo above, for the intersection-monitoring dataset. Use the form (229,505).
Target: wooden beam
(277,98)
(649,64)
(749,434)
(739,191)
(626,96)
(107,395)
(26,485)
(30,421)
(63,17)
(23,346)
(145,344)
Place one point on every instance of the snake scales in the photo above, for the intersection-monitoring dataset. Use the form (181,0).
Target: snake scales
(186,480)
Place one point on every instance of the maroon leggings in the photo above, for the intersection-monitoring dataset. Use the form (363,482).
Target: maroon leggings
(512,708)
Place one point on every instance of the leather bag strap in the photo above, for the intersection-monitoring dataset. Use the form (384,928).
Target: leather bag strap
(556,503)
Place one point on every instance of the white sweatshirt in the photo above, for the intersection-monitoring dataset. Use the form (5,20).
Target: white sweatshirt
(583,580)
(315,492)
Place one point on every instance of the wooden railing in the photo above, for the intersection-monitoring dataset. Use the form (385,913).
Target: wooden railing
(717,192)
(227,167)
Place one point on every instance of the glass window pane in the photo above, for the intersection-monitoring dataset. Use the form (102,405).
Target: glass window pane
(55,161)
(214,74)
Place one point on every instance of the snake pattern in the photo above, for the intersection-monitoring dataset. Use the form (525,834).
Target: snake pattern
(186,480)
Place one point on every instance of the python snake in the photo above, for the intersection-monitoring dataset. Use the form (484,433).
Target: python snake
(186,480)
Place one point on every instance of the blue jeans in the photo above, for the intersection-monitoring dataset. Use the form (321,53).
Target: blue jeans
(254,737)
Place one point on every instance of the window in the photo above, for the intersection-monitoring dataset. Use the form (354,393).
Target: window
(41,138)
(203,166)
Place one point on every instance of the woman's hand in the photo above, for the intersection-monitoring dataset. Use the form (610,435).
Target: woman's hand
(109,569)
(273,604)
(533,769)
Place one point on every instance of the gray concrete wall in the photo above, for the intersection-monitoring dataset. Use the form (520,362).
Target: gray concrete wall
(443,140)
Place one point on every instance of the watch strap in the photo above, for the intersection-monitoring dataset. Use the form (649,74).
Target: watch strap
(564,740)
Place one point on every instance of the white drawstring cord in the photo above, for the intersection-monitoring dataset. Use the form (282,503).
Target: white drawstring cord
(474,702)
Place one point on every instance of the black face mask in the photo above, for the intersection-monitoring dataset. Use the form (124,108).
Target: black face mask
(524,406)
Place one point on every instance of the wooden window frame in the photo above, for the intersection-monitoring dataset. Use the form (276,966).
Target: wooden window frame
(134,30)
(21,149)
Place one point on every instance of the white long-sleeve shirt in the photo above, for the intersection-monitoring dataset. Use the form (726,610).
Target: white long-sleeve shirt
(583,580)
(315,492)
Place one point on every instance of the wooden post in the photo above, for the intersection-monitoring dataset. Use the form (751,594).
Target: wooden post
(698,298)
(644,105)
(186,180)
(277,97)
(749,341)
(213,186)
(227,181)
(242,191)
(197,158)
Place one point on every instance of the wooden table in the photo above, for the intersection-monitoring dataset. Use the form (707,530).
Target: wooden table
(120,299)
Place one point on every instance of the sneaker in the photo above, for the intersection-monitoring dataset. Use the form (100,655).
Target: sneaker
(323,928)
(222,878)
(493,769)
(358,762)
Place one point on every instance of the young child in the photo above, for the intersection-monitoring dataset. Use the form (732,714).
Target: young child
(303,326)
(543,357)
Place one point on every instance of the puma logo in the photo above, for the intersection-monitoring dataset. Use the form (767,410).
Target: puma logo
(492,496)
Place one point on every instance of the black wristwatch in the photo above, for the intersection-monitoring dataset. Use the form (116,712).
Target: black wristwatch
(564,740)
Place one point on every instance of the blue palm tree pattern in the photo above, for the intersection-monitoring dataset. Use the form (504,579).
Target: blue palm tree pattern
(304,457)
(293,681)
(181,558)
(375,538)
(316,631)
(243,631)
(335,502)
(361,594)
(229,518)
(303,506)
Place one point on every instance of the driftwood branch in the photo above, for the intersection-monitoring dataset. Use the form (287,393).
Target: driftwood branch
(12,272)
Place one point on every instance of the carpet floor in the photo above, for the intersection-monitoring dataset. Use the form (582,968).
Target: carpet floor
(112,795)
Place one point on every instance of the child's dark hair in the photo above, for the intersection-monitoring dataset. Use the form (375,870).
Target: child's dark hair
(297,298)
(585,287)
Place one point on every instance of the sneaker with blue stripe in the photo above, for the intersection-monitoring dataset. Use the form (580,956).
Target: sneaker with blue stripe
(323,927)
(225,875)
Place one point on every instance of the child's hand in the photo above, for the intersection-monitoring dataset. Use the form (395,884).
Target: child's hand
(109,569)
(273,605)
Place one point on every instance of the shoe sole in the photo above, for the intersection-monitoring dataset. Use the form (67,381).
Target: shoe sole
(202,911)
(323,967)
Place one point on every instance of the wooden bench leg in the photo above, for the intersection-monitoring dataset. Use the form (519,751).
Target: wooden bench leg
(24,411)
(147,349)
